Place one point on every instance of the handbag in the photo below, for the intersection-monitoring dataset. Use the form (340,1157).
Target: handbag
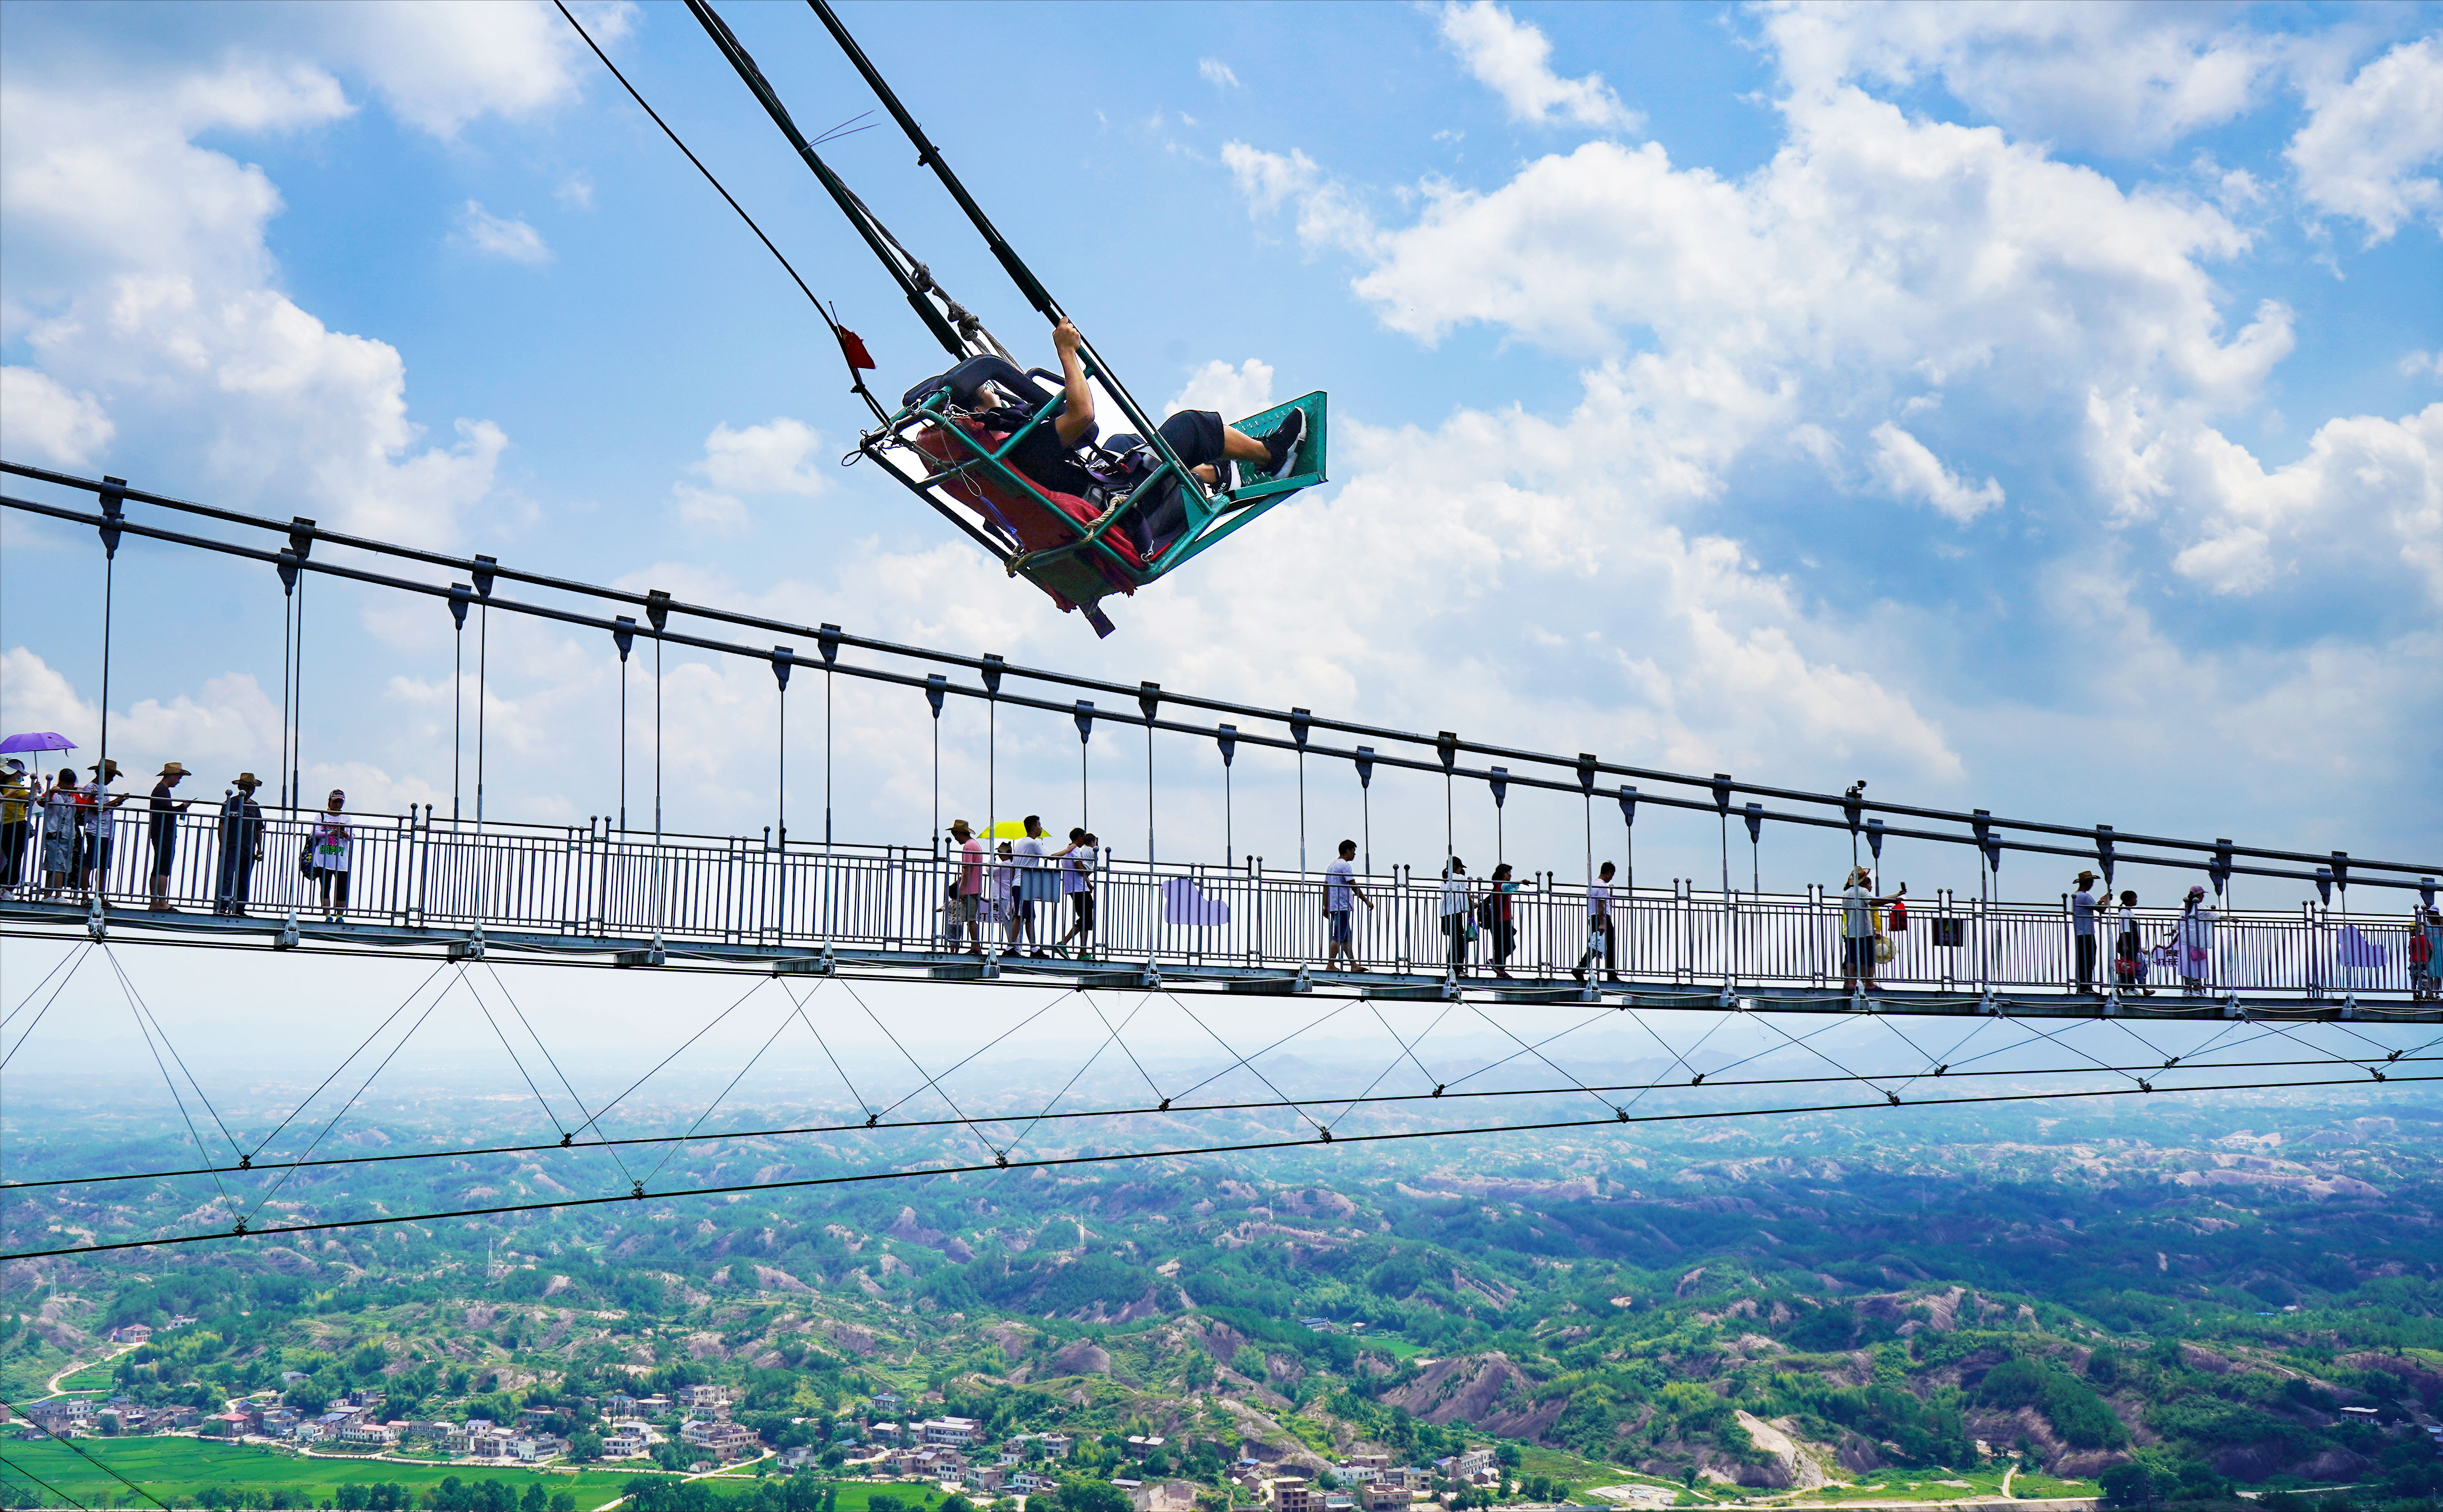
(1883,949)
(306,859)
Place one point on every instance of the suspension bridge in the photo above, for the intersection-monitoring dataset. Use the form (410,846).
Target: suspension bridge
(2327,992)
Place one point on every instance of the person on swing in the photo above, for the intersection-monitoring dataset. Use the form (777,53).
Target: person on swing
(1048,454)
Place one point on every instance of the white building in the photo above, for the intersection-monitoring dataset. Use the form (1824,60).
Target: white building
(952,1432)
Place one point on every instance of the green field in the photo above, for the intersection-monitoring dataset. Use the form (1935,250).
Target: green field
(178,1470)
(1577,1472)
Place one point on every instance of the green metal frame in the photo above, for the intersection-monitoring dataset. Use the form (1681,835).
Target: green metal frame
(1212,517)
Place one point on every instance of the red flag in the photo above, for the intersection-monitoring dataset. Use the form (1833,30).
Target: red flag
(853,347)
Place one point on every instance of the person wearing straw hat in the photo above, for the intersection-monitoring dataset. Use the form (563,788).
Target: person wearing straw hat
(2082,928)
(241,837)
(94,802)
(16,810)
(1859,906)
(162,827)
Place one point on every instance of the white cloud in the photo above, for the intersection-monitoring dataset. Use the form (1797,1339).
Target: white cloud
(139,272)
(1903,466)
(494,236)
(1219,74)
(715,514)
(1327,215)
(2366,500)
(439,67)
(2421,364)
(778,457)
(2363,144)
(229,724)
(2121,78)
(38,416)
(1513,58)
(576,191)
(1234,392)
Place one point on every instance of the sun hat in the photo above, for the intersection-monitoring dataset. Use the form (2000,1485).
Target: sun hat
(246,779)
(172,769)
(2084,877)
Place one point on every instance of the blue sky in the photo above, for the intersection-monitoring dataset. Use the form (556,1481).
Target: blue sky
(2038,407)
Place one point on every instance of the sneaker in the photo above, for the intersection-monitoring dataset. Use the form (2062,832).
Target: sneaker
(1281,446)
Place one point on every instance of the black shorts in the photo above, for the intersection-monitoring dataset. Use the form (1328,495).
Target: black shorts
(1196,435)
(1082,905)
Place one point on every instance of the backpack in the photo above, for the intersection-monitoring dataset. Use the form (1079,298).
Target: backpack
(1900,915)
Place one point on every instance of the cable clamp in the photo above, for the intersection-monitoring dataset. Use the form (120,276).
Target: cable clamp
(1438,1087)
(1165,1107)
(1622,1114)
(1698,1080)
(2230,1008)
(1987,1005)
(567,1137)
(873,1118)
(637,1191)
(1304,983)
(1944,1066)
(1000,1159)
(2378,1075)
(246,1162)
(1450,986)
(1151,976)
(289,936)
(2349,1005)
(2111,1006)
(1324,1133)
(95,924)
(239,1233)
(2145,1087)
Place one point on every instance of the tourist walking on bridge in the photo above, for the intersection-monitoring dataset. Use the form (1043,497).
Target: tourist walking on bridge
(330,850)
(1601,938)
(163,826)
(241,836)
(1341,894)
(94,804)
(1037,883)
(2129,946)
(2191,940)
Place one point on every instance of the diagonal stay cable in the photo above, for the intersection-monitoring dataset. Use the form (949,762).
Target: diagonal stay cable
(938,1090)
(2029,1027)
(69,962)
(798,1005)
(1410,1045)
(128,983)
(1286,1099)
(2312,1047)
(1526,1050)
(934,1171)
(1112,1038)
(595,1118)
(1825,1028)
(956,1066)
(1366,1094)
(89,1459)
(673,1147)
(308,1100)
(1680,1062)
(1266,1050)
(18,1043)
(1537,1050)
(1131,1054)
(486,1008)
(567,1135)
(1712,1078)
(1950,1057)
(172,1082)
(1810,1048)
(333,1123)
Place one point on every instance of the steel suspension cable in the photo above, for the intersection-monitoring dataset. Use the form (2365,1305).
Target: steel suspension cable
(840,333)
(873,1123)
(1325,1137)
(76,955)
(89,1459)
(387,1020)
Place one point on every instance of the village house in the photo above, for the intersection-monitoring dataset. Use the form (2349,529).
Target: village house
(953,1433)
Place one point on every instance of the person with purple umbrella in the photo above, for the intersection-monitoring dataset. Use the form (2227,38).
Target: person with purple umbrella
(17,810)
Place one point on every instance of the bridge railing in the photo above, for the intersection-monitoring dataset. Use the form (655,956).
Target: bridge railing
(596,884)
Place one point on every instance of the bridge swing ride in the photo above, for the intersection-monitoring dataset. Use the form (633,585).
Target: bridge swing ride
(971,441)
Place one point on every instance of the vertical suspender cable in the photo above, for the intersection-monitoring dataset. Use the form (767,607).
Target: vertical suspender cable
(991,672)
(624,637)
(111,504)
(1149,698)
(1299,718)
(783,660)
(1085,717)
(287,630)
(1365,805)
(1228,737)
(828,637)
(297,731)
(657,612)
(461,594)
(936,689)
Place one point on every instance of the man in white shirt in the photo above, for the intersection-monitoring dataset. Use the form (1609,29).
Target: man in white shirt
(1859,906)
(1599,930)
(1031,888)
(1340,894)
(1457,899)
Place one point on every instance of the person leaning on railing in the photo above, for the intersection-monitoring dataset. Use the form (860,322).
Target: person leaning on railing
(16,808)
(241,836)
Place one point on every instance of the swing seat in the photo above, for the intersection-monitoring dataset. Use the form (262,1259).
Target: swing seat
(1076,548)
